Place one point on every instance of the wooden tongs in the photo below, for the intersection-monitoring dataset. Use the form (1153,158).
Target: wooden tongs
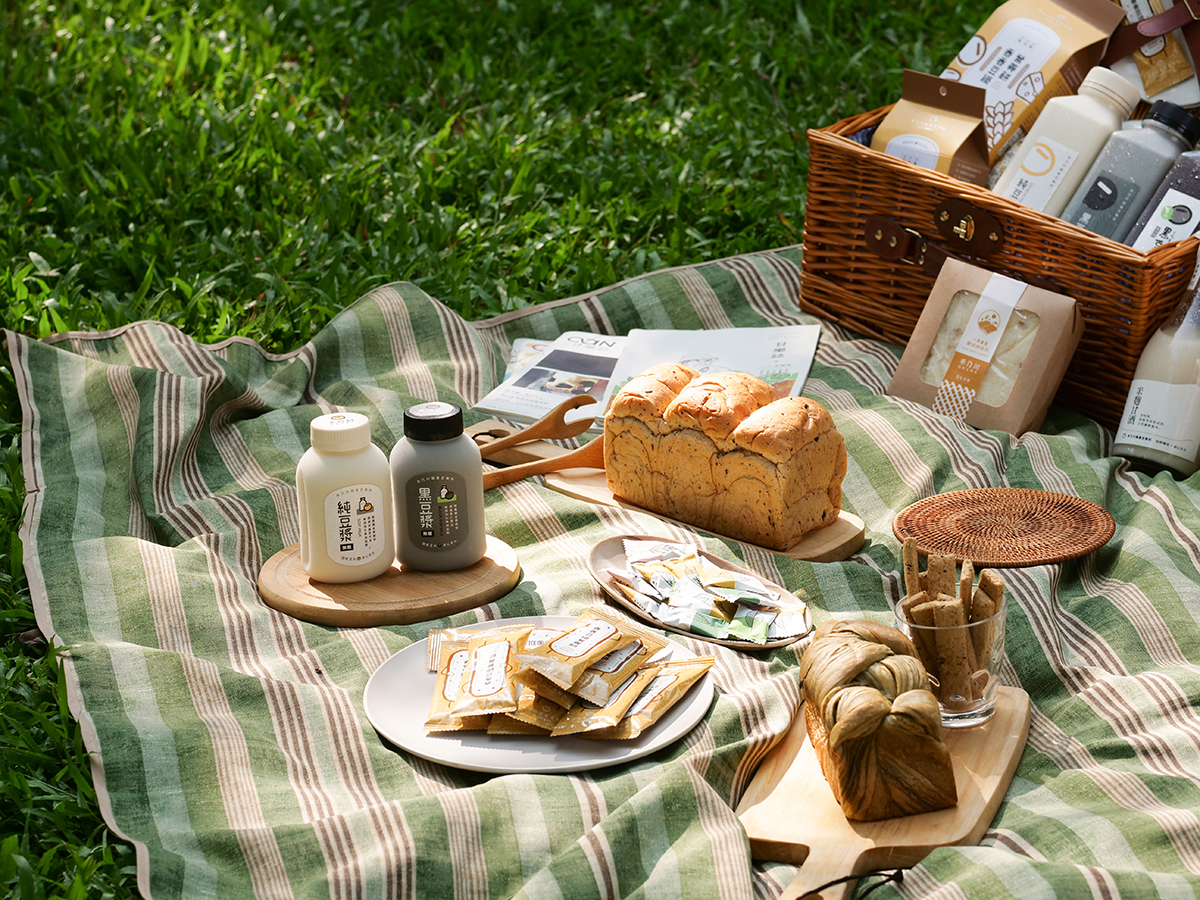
(554,426)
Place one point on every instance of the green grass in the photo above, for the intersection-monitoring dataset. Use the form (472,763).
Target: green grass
(251,168)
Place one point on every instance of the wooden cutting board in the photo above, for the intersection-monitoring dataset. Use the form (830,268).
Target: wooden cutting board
(790,815)
(397,597)
(829,544)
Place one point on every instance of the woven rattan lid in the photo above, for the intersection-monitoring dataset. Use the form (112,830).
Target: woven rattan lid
(1002,527)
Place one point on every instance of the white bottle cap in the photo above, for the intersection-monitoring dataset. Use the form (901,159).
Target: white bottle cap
(342,432)
(1107,82)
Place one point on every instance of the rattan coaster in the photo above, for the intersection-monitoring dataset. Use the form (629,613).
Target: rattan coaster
(1003,527)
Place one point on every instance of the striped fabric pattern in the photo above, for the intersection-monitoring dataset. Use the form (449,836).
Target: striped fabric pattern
(230,742)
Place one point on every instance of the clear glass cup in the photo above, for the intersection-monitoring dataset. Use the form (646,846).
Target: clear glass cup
(963,662)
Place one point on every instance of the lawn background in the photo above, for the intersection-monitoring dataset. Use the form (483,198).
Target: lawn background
(250,168)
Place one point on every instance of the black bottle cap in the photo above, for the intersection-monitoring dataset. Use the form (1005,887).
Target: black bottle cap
(1176,117)
(433,421)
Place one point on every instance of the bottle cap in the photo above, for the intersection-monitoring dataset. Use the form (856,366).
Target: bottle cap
(342,432)
(433,421)
(1107,82)
(1176,117)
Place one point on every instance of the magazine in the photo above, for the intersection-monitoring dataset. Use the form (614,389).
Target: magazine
(779,355)
(577,362)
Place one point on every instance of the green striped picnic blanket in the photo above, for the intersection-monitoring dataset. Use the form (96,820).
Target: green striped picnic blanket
(230,742)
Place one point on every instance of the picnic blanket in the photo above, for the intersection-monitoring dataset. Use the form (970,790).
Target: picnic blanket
(230,743)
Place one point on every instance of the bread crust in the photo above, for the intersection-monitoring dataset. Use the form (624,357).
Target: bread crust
(723,453)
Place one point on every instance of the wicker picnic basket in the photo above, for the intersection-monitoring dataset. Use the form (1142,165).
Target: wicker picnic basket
(877,230)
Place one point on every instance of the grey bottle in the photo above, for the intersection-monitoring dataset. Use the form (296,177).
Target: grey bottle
(1124,176)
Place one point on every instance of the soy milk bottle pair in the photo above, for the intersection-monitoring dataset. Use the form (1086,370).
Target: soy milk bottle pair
(360,511)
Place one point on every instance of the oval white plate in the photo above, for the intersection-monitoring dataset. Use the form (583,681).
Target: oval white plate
(610,554)
(397,697)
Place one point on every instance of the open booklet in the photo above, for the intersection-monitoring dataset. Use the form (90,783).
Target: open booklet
(539,378)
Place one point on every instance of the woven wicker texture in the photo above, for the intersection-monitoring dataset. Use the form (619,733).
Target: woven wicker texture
(1123,294)
(1004,527)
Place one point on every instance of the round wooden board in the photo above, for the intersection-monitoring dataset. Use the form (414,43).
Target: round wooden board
(397,597)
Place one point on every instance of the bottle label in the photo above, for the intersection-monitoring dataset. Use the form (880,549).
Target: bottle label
(1042,170)
(436,506)
(1105,201)
(1174,218)
(354,530)
(1163,417)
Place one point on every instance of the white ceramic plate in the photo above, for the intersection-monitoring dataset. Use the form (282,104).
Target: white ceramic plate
(610,554)
(397,699)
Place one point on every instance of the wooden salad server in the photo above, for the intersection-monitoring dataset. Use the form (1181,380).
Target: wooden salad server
(551,426)
(589,456)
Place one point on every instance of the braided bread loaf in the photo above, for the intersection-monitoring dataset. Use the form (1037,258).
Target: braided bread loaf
(722,453)
(873,723)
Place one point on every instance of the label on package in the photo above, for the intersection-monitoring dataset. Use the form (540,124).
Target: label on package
(978,344)
(436,506)
(489,669)
(1175,217)
(583,640)
(353,530)
(1107,199)
(1161,416)
(1042,170)
(914,148)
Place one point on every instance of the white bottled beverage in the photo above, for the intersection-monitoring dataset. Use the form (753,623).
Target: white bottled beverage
(344,491)
(1161,422)
(1065,140)
(437,485)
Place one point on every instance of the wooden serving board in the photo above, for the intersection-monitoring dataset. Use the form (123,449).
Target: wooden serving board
(790,815)
(832,543)
(397,597)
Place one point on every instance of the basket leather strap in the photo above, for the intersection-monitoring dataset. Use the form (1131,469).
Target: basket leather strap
(891,241)
(1131,36)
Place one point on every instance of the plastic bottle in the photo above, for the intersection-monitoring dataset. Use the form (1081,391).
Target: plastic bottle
(345,498)
(1160,426)
(1065,140)
(1173,213)
(1132,164)
(437,483)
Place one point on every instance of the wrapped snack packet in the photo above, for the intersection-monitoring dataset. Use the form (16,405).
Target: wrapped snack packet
(563,659)
(488,685)
(588,717)
(433,640)
(504,723)
(452,664)
(602,677)
(668,687)
(534,709)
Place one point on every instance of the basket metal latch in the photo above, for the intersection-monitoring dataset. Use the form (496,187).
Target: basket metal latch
(967,228)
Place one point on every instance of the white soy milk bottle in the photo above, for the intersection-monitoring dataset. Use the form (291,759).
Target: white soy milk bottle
(345,498)
(1065,140)
(437,486)
(1161,422)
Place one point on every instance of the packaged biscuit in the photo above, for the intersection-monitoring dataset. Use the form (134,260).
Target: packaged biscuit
(433,641)
(586,716)
(602,677)
(488,684)
(534,709)
(450,668)
(668,687)
(598,632)
(503,723)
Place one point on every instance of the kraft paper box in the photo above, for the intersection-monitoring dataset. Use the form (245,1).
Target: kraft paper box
(1027,52)
(988,349)
(937,124)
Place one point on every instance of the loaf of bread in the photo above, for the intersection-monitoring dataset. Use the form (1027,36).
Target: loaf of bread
(722,453)
(873,723)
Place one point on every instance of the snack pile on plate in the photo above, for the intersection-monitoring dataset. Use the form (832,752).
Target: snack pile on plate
(603,678)
(958,659)
(723,453)
(677,586)
(875,727)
